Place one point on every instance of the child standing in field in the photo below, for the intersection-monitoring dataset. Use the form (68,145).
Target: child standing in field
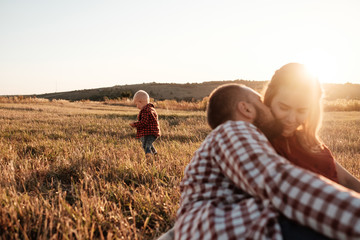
(147,126)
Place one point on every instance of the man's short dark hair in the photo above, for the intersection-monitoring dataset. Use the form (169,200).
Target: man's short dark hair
(223,101)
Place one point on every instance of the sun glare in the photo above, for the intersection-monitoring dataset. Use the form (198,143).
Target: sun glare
(326,72)
(323,66)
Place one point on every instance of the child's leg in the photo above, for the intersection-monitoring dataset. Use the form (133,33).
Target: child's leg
(152,148)
(144,145)
(149,148)
(147,142)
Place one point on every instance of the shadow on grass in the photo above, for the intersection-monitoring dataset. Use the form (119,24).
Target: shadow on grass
(47,181)
(137,177)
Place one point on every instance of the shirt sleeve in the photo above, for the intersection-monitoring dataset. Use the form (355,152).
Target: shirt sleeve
(144,119)
(247,159)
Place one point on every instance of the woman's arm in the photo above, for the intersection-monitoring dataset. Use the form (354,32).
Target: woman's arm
(346,179)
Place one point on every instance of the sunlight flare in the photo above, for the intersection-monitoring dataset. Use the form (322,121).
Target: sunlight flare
(322,65)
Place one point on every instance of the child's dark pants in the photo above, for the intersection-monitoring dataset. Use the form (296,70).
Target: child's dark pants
(147,144)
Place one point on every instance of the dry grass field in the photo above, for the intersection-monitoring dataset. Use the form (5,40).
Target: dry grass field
(76,171)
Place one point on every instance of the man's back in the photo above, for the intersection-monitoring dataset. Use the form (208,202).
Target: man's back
(207,192)
(236,185)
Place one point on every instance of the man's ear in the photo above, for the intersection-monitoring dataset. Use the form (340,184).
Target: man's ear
(247,110)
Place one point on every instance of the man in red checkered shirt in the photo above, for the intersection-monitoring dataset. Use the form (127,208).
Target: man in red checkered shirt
(147,126)
(237,187)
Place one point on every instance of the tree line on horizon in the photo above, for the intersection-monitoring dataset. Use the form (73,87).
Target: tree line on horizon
(186,92)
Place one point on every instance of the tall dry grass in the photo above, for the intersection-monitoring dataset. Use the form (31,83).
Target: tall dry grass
(341,132)
(200,105)
(342,105)
(76,171)
(193,105)
(22,99)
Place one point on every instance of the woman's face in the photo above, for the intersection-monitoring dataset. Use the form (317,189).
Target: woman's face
(291,106)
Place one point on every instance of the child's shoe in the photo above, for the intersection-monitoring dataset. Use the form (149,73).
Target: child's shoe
(153,151)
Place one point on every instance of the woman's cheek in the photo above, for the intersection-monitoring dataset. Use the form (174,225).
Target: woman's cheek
(280,114)
(302,119)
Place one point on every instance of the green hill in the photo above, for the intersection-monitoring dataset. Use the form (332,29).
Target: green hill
(189,91)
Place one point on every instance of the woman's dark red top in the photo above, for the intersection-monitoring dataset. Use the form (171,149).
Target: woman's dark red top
(320,162)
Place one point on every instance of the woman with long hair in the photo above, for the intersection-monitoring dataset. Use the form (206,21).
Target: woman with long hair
(295,99)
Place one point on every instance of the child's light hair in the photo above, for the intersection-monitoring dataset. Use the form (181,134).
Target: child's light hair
(141,95)
(296,76)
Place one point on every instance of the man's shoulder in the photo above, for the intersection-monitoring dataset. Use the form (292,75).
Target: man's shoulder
(234,125)
(229,129)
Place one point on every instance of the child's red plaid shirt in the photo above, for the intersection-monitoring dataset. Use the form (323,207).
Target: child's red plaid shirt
(148,122)
(236,185)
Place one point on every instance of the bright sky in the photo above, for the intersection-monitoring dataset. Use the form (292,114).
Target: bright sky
(48,46)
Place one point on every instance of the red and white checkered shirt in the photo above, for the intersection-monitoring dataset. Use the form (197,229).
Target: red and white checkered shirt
(236,185)
(148,123)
